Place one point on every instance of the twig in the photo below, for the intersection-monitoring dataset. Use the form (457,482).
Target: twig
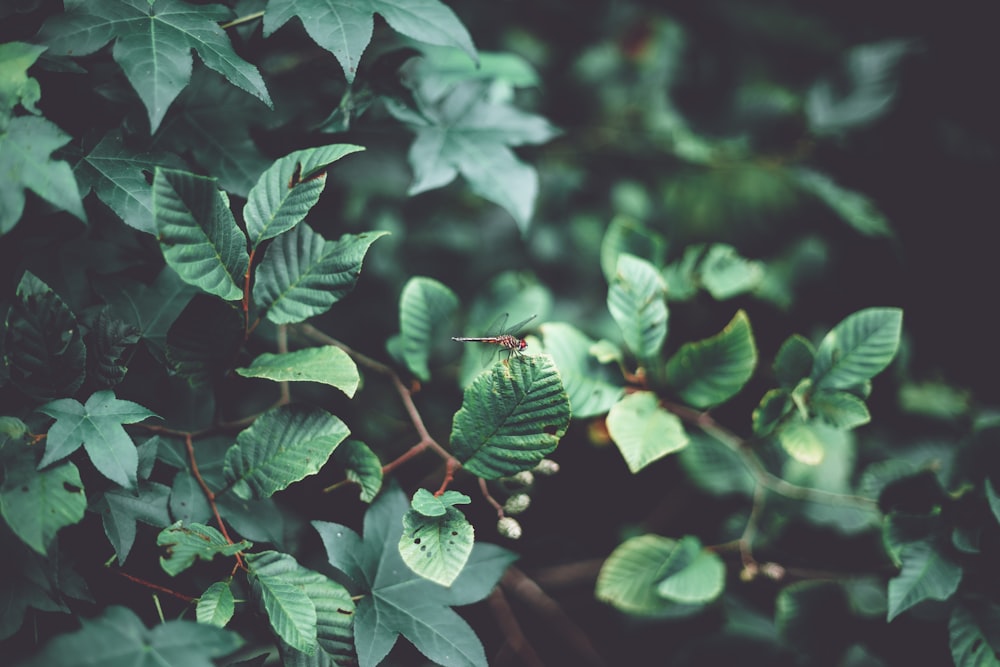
(484,489)
(242,19)
(209,495)
(156,587)
(511,629)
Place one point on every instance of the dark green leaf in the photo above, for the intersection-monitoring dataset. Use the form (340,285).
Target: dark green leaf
(643,431)
(809,616)
(973,636)
(362,466)
(993,499)
(37,504)
(857,349)
(715,467)
(773,406)
(108,342)
(183,544)
(121,509)
(711,371)
(204,339)
(794,361)
(625,235)
(327,365)
(187,499)
(636,299)
(425,308)
(927,574)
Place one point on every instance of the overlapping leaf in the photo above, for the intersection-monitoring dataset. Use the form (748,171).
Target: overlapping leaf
(37,504)
(643,431)
(857,349)
(927,574)
(121,509)
(973,635)
(216,605)
(327,365)
(711,371)
(183,544)
(425,306)
(362,467)
(592,386)
(203,340)
(636,299)
(436,547)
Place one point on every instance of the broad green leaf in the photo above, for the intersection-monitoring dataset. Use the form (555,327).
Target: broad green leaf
(97,425)
(436,547)
(37,504)
(643,431)
(801,442)
(425,306)
(153,43)
(839,409)
(711,371)
(927,574)
(773,406)
(362,466)
(592,386)
(203,340)
(626,235)
(288,190)
(26,159)
(284,445)
(794,361)
(328,365)
(636,299)
(715,467)
(429,505)
(16,87)
(302,274)
(725,274)
(124,509)
(973,636)
(197,232)
(698,582)
(183,544)
(630,576)
(42,348)
(187,499)
(118,638)
(344,27)
(216,605)
(512,416)
(857,349)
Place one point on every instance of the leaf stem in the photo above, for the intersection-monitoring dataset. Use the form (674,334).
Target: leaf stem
(241,20)
(209,494)
(156,587)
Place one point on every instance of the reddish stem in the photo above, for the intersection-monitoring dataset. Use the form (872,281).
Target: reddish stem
(156,587)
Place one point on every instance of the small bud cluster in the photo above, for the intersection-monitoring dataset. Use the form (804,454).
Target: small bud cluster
(519,486)
(509,527)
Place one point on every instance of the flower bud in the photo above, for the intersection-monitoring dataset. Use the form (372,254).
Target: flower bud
(509,527)
(546,467)
(523,479)
(517,503)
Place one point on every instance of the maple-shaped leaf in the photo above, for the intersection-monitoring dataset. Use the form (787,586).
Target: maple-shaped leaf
(462,129)
(121,510)
(153,43)
(344,27)
(395,600)
(25,160)
(97,425)
(16,87)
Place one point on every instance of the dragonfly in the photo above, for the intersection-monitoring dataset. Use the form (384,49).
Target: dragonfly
(500,335)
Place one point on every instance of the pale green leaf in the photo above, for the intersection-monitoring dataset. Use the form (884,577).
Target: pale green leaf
(629,578)
(636,299)
(38,504)
(700,581)
(711,371)
(512,416)
(592,386)
(839,409)
(429,505)
(857,349)
(425,306)
(927,574)
(643,431)
(16,87)
(451,66)
(725,274)
(854,208)
(216,605)
(289,608)
(362,466)
(801,442)
(436,547)
(327,365)
(183,544)
(284,445)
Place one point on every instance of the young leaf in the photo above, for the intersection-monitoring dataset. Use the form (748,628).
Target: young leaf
(592,386)
(794,361)
(857,349)
(185,543)
(43,347)
(725,274)
(362,465)
(425,305)
(436,547)
(636,299)
(97,426)
(512,416)
(281,447)
(37,504)
(197,232)
(17,87)
(117,638)
(121,509)
(153,43)
(302,274)
(839,409)
(699,581)
(630,576)
(643,431)
(427,504)
(801,442)
(328,365)
(202,342)
(773,406)
(288,190)
(973,636)
(216,605)
(711,371)
(344,28)
(927,574)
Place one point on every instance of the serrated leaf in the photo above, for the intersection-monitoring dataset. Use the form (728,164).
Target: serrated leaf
(927,574)
(626,235)
(715,467)
(216,605)
(839,409)
(725,274)
(153,43)
(284,445)
(108,342)
(183,544)
(701,579)
(425,306)
(121,509)
(436,547)
(327,365)
(97,426)
(629,577)
(711,371)
(204,339)
(288,190)
(26,158)
(429,505)
(973,637)
(344,27)
(362,465)
(592,386)
(801,442)
(118,638)
(794,361)
(643,431)
(302,274)
(773,406)
(42,349)
(512,416)
(857,349)
(38,504)
(853,208)
(197,232)
(636,299)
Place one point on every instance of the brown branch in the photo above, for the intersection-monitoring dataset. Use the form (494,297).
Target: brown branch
(156,587)
(209,495)
(511,629)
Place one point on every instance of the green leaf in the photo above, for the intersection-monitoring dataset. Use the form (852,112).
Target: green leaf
(16,87)
(927,574)
(124,509)
(109,342)
(37,504)
(97,426)
(362,465)
(43,347)
(715,467)
(592,386)
(853,208)
(700,580)
(26,159)
(328,365)
(153,43)
(711,371)
(773,406)
(187,499)
(636,301)
(284,445)
(197,232)
(117,638)
(626,235)
(288,190)
(973,636)
(344,27)
(216,605)
(643,431)
(794,361)
(425,307)
(302,274)
(204,339)
(801,442)
(839,409)
(512,416)
(682,275)
(183,544)
(857,349)
(452,66)
(427,504)
(436,546)
(725,274)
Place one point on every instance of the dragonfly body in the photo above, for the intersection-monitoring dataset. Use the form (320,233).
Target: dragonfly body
(506,339)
